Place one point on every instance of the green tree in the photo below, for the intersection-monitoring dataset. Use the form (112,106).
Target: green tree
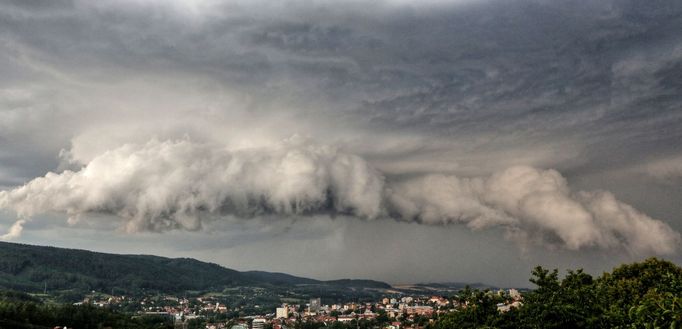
(478,310)
(639,295)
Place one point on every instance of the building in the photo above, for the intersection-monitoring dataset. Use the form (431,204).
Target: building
(220,308)
(282,312)
(315,304)
(419,310)
(393,325)
(514,294)
(346,318)
(258,323)
(438,300)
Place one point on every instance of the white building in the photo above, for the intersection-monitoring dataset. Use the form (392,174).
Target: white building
(315,304)
(258,323)
(282,312)
(346,318)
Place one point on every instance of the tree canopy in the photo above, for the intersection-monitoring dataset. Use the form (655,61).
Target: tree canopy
(638,295)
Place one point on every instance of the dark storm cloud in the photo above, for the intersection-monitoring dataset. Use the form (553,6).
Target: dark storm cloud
(474,91)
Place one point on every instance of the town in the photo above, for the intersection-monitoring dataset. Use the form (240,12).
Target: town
(210,312)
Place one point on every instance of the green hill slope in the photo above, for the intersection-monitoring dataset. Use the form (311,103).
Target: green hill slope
(32,268)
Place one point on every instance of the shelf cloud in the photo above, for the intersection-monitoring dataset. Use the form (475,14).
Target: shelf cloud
(177,184)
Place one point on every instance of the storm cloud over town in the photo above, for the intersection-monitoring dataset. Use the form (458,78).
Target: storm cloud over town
(427,141)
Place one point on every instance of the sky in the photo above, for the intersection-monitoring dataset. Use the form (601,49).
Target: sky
(429,141)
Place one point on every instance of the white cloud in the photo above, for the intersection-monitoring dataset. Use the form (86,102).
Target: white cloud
(176,184)
(14,231)
(166,185)
(534,206)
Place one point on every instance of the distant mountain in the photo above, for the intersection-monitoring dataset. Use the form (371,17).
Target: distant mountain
(279,278)
(457,285)
(282,278)
(440,287)
(32,268)
(359,283)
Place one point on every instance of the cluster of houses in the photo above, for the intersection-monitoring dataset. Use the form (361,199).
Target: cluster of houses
(394,312)
(400,312)
(516,301)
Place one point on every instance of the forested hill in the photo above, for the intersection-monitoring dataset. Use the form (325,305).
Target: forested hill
(31,268)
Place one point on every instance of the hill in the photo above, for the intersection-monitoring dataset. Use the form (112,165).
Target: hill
(33,268)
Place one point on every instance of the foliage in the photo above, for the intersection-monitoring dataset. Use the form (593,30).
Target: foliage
(478,309)
(34,268)
(639,295)
(19,310)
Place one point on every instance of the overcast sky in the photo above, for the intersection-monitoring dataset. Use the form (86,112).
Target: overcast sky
(430,141)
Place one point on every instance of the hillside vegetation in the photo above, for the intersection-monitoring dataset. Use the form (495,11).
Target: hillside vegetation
(34,268)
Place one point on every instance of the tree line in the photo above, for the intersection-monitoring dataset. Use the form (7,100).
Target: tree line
(639,295)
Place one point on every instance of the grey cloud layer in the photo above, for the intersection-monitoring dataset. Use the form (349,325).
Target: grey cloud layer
(666,169)
(177,184)
(594,77)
